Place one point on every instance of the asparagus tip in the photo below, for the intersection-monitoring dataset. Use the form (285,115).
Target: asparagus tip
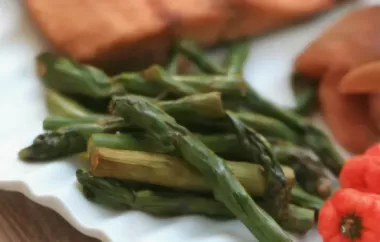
(26,154)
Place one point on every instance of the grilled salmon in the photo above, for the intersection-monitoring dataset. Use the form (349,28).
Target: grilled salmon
(123,33)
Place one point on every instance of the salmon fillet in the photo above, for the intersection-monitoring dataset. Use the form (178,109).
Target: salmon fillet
(122,33)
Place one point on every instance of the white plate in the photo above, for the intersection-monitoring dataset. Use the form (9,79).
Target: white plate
(54,185)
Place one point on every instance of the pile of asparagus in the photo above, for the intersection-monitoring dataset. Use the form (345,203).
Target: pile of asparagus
(169,142)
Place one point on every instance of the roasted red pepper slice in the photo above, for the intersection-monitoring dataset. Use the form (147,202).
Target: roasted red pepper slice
(350,216)
(362,173)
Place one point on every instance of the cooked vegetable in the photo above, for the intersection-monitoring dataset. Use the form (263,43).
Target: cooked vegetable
(226,187)
(59,104)
(267,126)
(310,136)
(67,140)
(227,85)
(237,54)
(258,150)
(373,150)
(56,122)
(53,145)
(158,74)
(305,93)
(195,54)
(361,173)
(304,199)
(134,82)
(311,175)
(346,115)
(362,80)
(355,219)
(159,169)
(68,76)
(196,106)
(116,194)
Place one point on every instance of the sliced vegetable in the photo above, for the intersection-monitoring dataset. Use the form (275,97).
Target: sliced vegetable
(351,216)
(362,173)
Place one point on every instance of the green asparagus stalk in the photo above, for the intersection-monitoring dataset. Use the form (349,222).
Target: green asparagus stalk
(159,169)
(312,137)
(190,107)
(305,92)
(158,74)
(318,141)
(310,172)
(134,82)
(53,145)
(68,76)
(196,55)
(55,122)
(59,104)
(208,105)
(173,65)
(304,199)
(299,220)
(67,140)
(227,85)
(236,57)
(115,194)
(258,150)
(226,187)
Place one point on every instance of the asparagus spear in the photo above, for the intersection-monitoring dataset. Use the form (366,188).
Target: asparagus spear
(310,172)
(134,82)
(116,194)
(53,145)
(173,65)
(312,137)
(157,74)
(67,140)
(227,85)
(195,54)
(160,169)
(226,187)
(236,57)
(59,104)
(304,199)
(267,126)
(305,92)
(190,107)
(56,122)
(258,150)
(69,76)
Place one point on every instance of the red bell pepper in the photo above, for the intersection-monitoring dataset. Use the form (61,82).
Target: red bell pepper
(361,173)
(350,216)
